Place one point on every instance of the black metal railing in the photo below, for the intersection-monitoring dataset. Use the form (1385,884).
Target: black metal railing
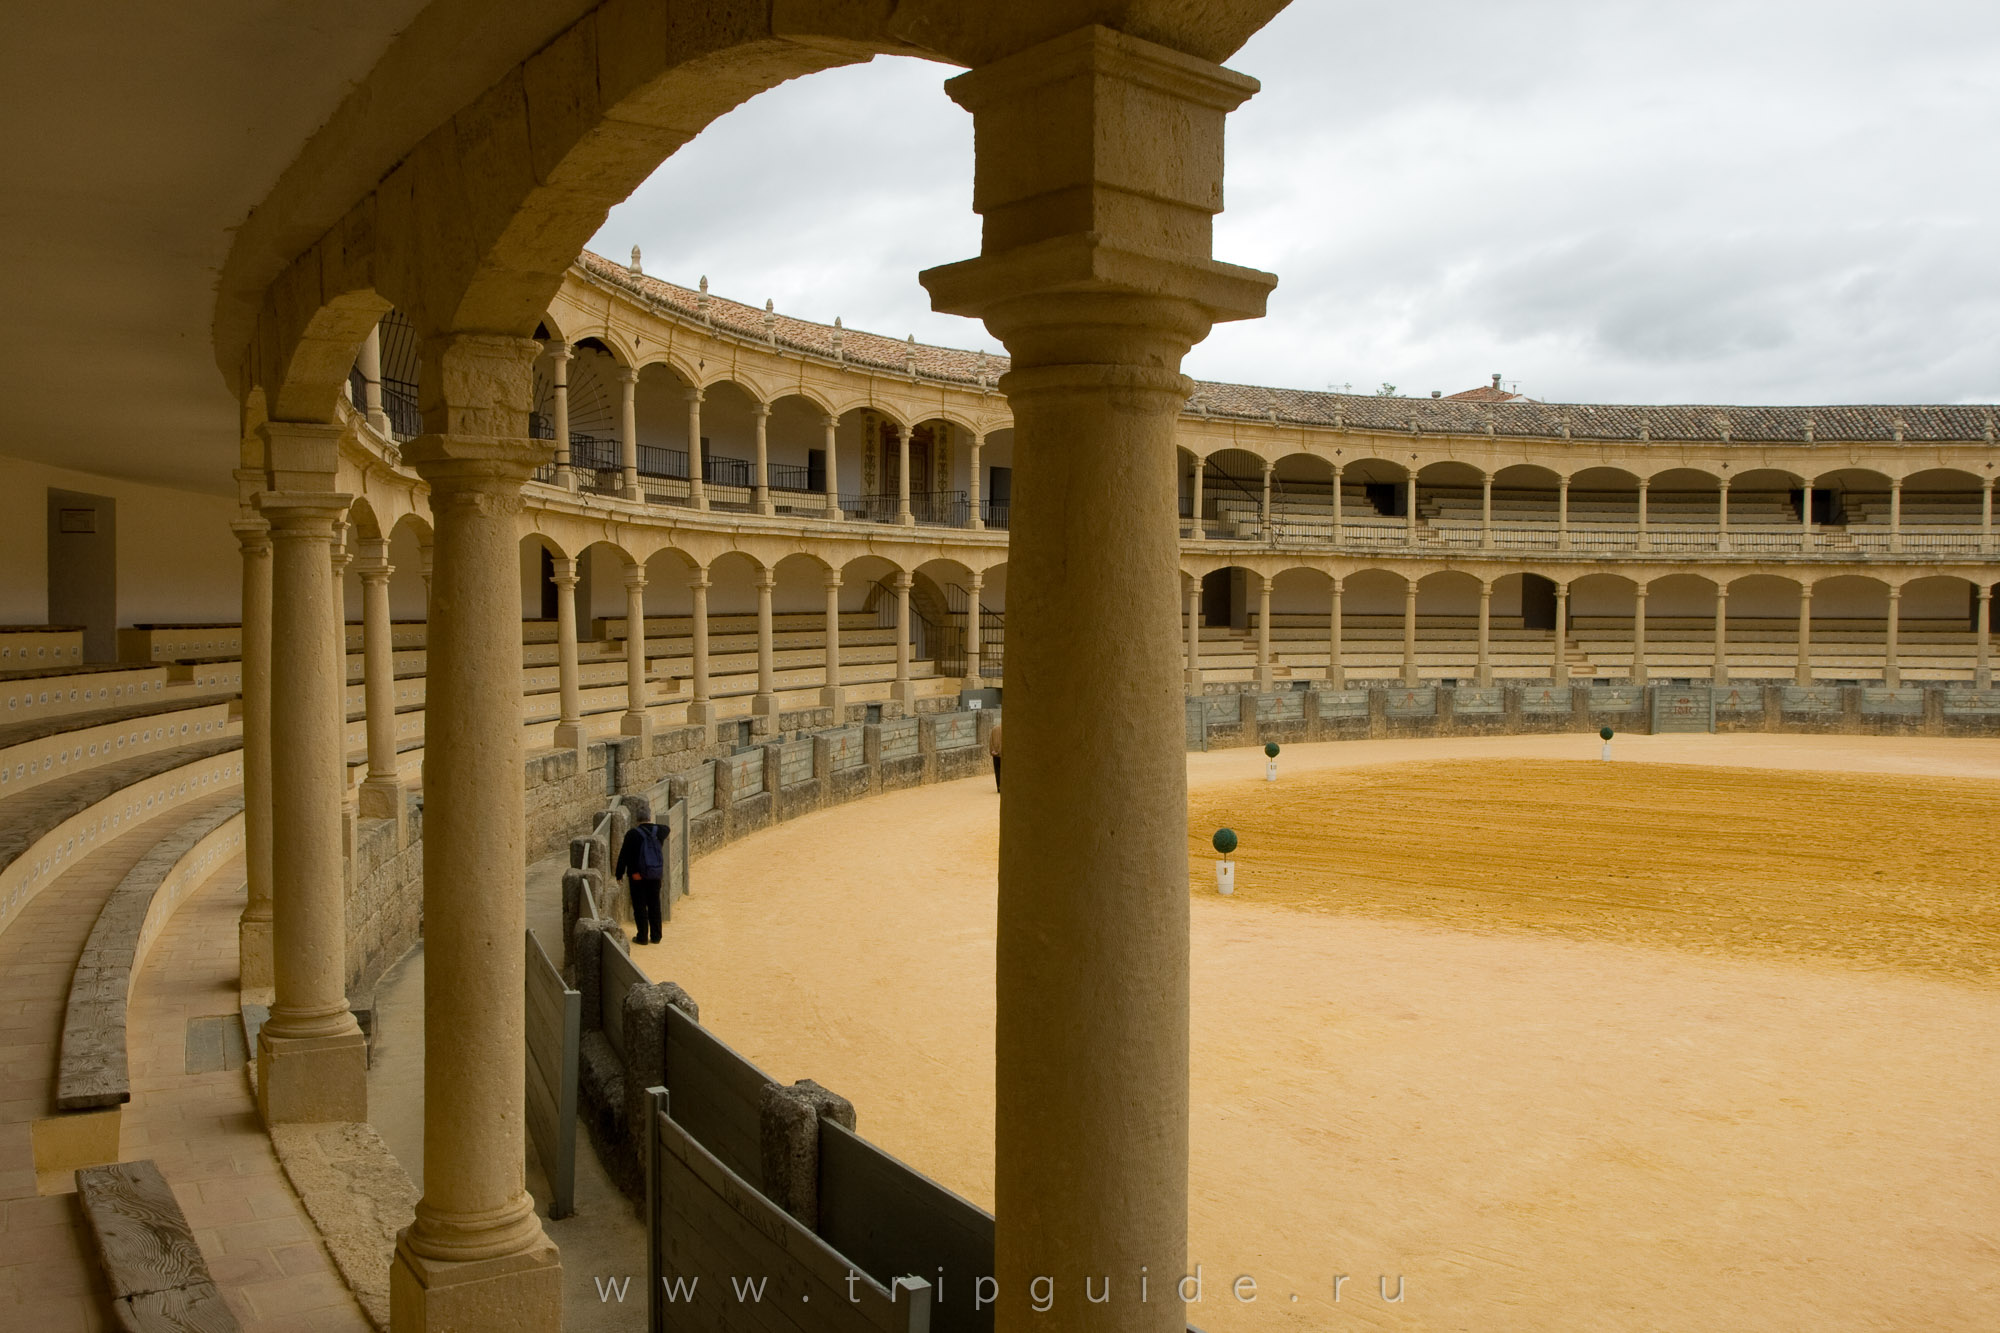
(399,404)
(723,471)
(790,477)
(655,461)
(996,513)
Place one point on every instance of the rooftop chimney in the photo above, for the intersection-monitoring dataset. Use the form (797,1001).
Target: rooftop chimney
(1496,381)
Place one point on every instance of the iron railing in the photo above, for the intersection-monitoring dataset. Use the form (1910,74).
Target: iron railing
(399,404)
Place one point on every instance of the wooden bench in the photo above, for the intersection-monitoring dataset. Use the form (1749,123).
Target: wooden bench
(157,1277)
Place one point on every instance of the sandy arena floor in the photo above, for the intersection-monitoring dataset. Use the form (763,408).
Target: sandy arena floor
(1719,1054)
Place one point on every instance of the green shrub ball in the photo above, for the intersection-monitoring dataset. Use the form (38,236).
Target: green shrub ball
(1271,750)
(1604,733)
(1225,840)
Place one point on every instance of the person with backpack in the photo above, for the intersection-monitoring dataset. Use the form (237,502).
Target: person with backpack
(642,863)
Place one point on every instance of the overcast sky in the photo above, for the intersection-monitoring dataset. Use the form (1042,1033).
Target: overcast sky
(1713,200)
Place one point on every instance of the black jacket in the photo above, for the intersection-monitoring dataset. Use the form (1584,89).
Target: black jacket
(632,853)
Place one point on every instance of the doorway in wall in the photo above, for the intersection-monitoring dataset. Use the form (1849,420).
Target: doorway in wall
(1538,602)
(83,569)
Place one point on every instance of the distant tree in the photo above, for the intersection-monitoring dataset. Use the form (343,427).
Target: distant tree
(1387,390)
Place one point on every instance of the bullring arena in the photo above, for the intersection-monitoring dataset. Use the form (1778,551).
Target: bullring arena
(325,721)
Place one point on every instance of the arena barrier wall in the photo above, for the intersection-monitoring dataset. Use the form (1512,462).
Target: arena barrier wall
(554,1040)
(1318,711)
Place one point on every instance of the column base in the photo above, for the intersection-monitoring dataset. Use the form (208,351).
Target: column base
(1804,678)
(1638,673)
(384,798)
(1483,679)
(904,692)
(566,478)
(632,493)
(977,525)
(635,724)
(907,520)
(834,697)
(306,1080)
(766,508)
(765,705)
(1336,678)
(972,683)
(701,710)
(833,514)
(253,952)
(1982,680)
(570,736)
(520,1291)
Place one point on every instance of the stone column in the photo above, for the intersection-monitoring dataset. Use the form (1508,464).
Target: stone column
(312,1064)
(1264,505)
(569,726)
(1562,513)
(1896,514)
(1194,636)
(972,481)
(904,690)
(699,709)
(1805,671)
(974,649)
(1722,515)
(382,791)
(1336,670)
(1805,516)
(253,930)
(1892,669)
(1409,630)
(369,362)
(1410,523)
(766,704)
(1645,537)
(831,695)
(1099,165)
(559,354)
(424,573)
(635,722)
(1639,635)
(1982,671)
(697,465)
(761,500)
(1986,515)
(1719,673)
(628,432)
(1483,672)
(475,1258)
(1197,533)
(1486,511)
(831,424)
(1336,504)
(903,514)
(1560,669)
(1264,665)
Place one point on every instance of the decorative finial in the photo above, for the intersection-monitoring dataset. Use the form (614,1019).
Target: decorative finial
(1898,427)
(701,298)
(839,353)
(770,321)
(1645,425)
(636,270)
(1809,430)
(910,357)
(1722,427)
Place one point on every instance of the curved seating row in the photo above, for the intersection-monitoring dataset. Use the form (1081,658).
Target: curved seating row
(93,1071)
(54,746)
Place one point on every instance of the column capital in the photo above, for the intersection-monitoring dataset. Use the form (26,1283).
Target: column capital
(833,579)
(975,582)
(830,421)
(1895,593)
(557,350)
(625,374)
(307,513)
(564,572)
(760,409)
(698,578)
(300,455)
(765,580)
(372,560)
(903,581)
(635,579)
(253,534)
(693,393)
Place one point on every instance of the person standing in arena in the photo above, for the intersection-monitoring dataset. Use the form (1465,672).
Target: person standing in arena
(642,863)
(993,748)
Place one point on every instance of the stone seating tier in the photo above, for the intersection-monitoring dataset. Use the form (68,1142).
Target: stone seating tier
(46,748)
(27,646)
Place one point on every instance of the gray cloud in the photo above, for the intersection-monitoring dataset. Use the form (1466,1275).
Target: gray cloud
(1780,202)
